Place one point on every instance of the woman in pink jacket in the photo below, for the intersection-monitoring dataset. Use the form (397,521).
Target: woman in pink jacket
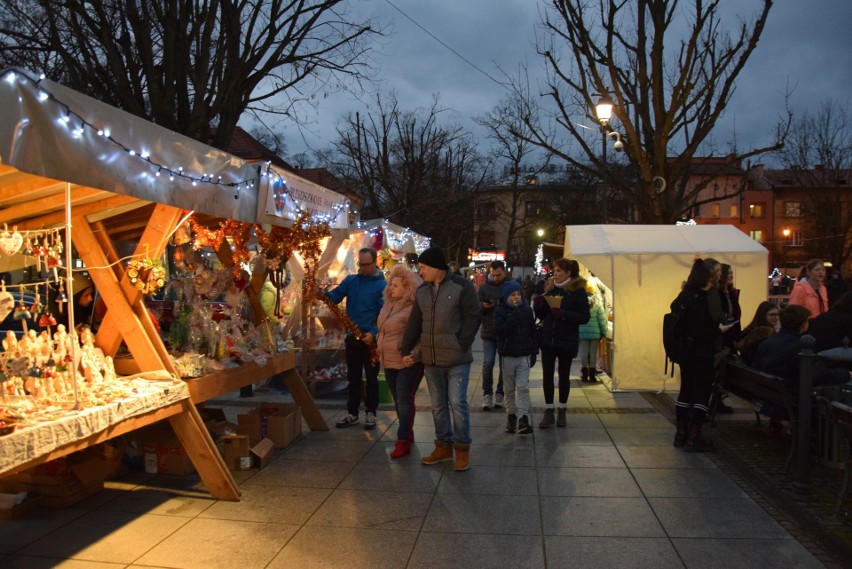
(810,291)
(402,381)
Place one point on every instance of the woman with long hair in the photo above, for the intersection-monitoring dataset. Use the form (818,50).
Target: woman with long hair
(764,323)
(696,367)
(561,309)
(729,297)
(810,291)
(402,381)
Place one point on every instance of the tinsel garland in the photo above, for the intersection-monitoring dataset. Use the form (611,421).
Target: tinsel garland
(277,246)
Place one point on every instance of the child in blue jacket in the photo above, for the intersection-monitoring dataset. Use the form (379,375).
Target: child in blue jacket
(517,345)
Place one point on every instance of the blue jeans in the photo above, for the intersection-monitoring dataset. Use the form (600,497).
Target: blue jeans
(489,356)
(448,392)
(403,384)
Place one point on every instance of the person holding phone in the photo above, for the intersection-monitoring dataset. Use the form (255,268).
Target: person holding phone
(490,293)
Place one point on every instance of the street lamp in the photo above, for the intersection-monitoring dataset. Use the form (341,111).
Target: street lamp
(603,112)
(540,232)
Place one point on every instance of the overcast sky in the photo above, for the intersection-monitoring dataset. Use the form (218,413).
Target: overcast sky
(806,46)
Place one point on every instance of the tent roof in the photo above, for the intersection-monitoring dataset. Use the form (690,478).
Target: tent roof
(649,239)
(119,165)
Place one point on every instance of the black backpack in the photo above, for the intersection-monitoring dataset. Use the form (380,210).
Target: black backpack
(675,339)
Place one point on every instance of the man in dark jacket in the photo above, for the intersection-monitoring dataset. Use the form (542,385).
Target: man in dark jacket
(489,294)
(444,319)
(364,294)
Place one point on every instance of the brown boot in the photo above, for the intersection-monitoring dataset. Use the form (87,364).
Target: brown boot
(548,420)
(560,417)
(443,453)
(462,461)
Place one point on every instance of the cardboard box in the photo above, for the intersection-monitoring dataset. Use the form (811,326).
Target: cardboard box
(163,452)
(280,422)
(69,479)
(14,510)
(236,452)
(262,453)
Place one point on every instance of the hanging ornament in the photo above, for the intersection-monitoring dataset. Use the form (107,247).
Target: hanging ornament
(10,243)
(36,307)
(28,246)
(61,299)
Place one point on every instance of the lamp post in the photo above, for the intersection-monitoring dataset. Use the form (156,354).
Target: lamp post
(603,112)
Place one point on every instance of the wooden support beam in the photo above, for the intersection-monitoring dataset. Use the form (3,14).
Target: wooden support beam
(153,242)
(302,396)
(130,328)
(201,449)
(114,204)
(54,202)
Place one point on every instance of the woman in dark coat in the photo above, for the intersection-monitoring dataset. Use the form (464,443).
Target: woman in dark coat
(561,310)
(696,367)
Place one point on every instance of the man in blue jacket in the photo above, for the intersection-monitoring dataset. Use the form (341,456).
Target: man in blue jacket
(363,292)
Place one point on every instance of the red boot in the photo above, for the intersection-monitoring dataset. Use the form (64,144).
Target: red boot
(401,449)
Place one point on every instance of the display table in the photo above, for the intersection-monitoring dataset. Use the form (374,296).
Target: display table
(71,431)
(212,385)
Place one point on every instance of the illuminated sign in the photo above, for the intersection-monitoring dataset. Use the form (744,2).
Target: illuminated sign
(485,256)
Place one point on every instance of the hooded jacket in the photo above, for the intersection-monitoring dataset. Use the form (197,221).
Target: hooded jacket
(560,327)
(517,335)
(444,319)
(595,328)
(364,300)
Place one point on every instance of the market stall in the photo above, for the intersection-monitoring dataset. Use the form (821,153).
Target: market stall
(104,177)
(643,268)
(323,330)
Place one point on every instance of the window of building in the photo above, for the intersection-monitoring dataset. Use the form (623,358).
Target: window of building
(796,239)
(485,210)
(487,239)
(535,208)
(715,210)
(757,210)
(794,209)
(735,210)
(757,235)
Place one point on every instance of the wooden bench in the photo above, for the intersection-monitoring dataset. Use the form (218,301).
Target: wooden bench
(755,388)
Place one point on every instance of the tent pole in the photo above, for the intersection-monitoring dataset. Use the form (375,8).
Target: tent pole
(69,286)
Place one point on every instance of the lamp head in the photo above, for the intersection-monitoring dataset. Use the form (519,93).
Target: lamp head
(603,109)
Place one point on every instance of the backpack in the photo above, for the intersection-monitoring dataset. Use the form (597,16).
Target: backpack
(675,340)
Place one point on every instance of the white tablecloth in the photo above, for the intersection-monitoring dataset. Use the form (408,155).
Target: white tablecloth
(40,437)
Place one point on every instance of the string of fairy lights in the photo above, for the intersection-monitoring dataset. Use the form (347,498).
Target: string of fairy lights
(88,132)
(396,239)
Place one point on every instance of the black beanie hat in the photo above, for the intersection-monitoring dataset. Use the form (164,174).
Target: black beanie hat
(433,257)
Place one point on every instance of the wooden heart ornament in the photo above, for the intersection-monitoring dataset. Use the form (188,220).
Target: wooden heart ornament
(7,304)
(10,243)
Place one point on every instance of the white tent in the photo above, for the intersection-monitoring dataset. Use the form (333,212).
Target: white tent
(644,266)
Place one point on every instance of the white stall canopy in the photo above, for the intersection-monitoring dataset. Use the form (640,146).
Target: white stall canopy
(645,266)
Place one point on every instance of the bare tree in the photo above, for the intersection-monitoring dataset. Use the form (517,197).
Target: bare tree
(189,66)
(410,169)
(669,90)
(513,151)
(818,157)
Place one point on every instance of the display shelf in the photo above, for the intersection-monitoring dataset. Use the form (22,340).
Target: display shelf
(212,385)
(178,409)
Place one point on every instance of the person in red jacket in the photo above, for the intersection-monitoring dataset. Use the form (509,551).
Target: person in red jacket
(810,291)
